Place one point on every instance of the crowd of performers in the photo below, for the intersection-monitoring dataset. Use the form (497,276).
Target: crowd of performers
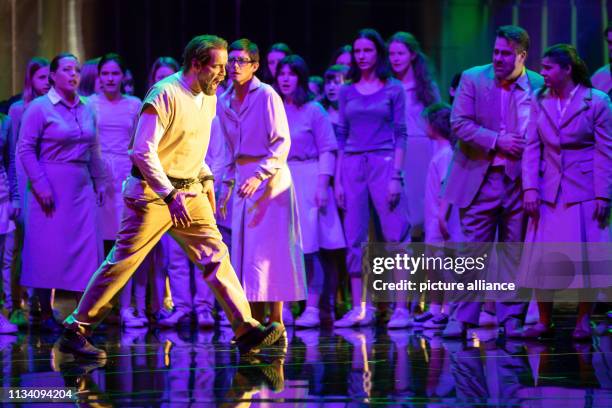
(306,169)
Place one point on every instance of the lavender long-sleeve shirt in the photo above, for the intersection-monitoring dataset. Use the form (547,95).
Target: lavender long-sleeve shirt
(311,135)
(372,122)
(53,131)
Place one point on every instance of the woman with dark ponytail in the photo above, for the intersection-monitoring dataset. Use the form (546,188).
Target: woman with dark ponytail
(567,184)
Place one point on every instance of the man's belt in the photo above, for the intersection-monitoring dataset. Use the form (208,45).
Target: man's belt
(177,183)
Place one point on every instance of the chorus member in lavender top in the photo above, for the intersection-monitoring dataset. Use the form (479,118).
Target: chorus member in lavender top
(127,85)
(116,117)
(410,66)
(567,180)
(372,138)
(343,56)
(315,86)
(90,83)
(60,153)
(8,212)
(171,189)
(162,67)
(602,78)
(312,164)
(334,78)
(441,219)
(277,52)
(266,239)
(489,118)
(36,83)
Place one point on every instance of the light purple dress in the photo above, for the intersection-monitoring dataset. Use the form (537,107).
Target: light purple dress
(312,134)
(115,121)
(266,241)
(59,150)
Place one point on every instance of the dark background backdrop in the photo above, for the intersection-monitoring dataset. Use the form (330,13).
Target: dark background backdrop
(456,34)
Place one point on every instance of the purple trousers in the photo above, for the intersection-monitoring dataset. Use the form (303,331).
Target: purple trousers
(365,177)
(496,211)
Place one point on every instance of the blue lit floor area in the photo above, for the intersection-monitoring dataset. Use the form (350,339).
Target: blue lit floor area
(345,367)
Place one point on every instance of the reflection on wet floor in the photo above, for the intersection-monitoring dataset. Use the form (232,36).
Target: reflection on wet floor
(319,367)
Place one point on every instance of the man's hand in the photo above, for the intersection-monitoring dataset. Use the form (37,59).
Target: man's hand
(443,227)
(226,194)
(510,144)
(531,203)
(15,213)
(602,211)
(248,188)
(100,198)
(44,196)
(394,190)
(208,187)
(178,209)
(322,197)
(339,193)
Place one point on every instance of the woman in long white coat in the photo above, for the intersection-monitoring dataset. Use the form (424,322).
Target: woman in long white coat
(266,241)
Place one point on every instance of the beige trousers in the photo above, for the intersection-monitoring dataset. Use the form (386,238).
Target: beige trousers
(145,219)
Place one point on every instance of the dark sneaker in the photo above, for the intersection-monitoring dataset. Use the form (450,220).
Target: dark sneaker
(259,336)
(77,344)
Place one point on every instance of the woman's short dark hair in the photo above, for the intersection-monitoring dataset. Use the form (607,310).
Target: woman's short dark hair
(54,65)
(516,34)
(199,49)
(382,62)
(341,50)
(565,55)
(247,46)
(111,56)
(438,116)
(298,66)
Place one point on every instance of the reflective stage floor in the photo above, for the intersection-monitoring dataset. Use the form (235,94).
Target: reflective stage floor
(346,367)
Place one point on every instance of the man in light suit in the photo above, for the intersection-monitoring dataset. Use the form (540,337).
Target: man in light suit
(489,117)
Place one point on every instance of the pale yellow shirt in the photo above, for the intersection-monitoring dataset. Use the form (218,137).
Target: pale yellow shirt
(178,145)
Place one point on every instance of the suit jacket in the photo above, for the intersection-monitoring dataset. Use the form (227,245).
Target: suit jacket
(570,160)
(475,120)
